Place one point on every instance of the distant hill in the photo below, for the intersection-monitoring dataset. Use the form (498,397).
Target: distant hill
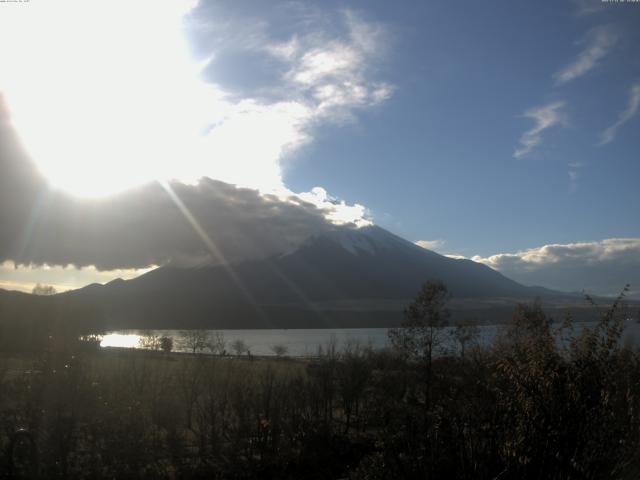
(28,321)
(344,278)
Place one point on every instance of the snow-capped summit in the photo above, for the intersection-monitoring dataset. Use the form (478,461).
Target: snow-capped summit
(368,240)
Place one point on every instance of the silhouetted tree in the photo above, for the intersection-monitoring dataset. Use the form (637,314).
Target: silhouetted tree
(279,350)
(151,342)
(239,346)
(195,340)
(166,344)
(43,290)
(463,335)
(216,344)
(418,338)
(421,331)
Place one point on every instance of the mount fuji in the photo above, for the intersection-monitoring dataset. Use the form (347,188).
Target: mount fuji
(345,277)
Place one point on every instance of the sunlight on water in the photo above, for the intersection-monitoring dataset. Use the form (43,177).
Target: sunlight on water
(120,340)
(305,342)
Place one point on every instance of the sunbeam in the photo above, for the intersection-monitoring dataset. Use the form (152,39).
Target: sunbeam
(215,252)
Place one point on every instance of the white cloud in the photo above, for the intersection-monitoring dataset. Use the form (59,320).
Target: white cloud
(438,246)
(142,99)
(337,211)
(332,76)
(337,60)
(601,267)
(327,77)
(154,224)
(286,51)
(434,245)
(574,174)
(25,277)
(632,109)
(600,42)
(588,7)
(545,117)
(456,256)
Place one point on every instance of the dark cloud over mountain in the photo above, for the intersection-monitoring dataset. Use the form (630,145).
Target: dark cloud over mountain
(148,225)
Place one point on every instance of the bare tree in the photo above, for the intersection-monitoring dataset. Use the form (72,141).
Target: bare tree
(239,346)
(279,350)
(217,343)
(421,332)
(150,342)
(166,344)
(195,341)
(425,318)
(463,335)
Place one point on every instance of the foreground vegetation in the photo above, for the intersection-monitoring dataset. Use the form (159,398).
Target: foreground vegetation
(529,406)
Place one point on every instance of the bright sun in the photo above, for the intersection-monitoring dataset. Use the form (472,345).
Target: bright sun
(104,94)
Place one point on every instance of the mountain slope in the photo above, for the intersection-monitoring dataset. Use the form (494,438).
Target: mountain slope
(346,277)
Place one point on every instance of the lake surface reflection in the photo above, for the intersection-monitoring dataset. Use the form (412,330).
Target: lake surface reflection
(122,340)
(298,342)
(305,342)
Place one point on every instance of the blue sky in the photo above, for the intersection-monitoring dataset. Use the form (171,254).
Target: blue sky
(436,160)
(502,131)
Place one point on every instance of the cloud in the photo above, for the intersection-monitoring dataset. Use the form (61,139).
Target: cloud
(188,123)
(588,7)
(209,221)
(545,117)
(574,174)
(336,210)
(438,247)
(326,75)
(601,267)
(609,134)
(332,75)
(600,41)
(434,245)
(227,201)
(24,278)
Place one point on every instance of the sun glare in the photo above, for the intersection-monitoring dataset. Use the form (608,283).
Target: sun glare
(104,95)
(121,340)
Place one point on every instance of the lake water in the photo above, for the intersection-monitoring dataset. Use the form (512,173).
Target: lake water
(298,342)
(305,342)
